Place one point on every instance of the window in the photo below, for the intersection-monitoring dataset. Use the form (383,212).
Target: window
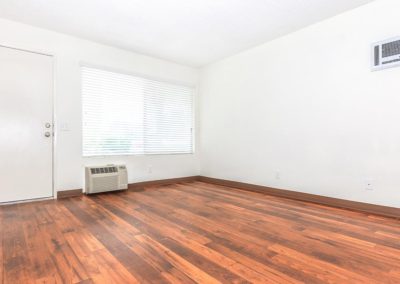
(127,115)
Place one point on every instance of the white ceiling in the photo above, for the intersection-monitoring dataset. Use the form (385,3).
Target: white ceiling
(190,32)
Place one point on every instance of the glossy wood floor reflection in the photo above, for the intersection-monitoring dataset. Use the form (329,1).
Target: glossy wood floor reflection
(194,232)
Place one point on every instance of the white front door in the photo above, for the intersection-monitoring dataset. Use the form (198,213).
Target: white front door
(26,125)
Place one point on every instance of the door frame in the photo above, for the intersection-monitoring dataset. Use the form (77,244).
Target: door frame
(53,118)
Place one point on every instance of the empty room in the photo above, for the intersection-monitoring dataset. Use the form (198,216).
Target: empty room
(212,141)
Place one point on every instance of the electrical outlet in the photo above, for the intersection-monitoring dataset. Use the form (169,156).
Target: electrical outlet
(277,175)
(150,169)
(369,184)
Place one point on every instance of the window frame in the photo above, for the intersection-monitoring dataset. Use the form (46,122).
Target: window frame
(129,73)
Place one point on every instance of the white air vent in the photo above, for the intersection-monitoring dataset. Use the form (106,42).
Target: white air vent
(105,178)
(386,54)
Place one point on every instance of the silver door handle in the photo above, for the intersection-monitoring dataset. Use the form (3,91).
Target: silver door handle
(47,125)
(47,134)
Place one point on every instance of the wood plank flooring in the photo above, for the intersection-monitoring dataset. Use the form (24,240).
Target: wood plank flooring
(194,233)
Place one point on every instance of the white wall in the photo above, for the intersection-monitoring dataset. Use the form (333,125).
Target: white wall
(69,53)
(305,112)
(304,107)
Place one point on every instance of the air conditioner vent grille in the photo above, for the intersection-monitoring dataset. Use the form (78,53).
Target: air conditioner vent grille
(103,170)
(386,54)
(391,48)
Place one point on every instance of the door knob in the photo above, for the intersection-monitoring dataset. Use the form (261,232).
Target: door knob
(47,134)
(47,125)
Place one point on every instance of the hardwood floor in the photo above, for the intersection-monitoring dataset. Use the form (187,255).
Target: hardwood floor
(194,232)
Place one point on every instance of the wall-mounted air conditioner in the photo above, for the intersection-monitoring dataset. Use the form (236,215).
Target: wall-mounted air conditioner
(105,178)
(386,54)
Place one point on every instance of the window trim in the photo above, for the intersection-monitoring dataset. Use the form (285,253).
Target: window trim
(163,80)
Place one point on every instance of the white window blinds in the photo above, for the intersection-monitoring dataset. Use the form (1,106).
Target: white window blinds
(126,115)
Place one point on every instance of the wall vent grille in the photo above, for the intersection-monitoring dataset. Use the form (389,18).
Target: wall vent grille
(386,54)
